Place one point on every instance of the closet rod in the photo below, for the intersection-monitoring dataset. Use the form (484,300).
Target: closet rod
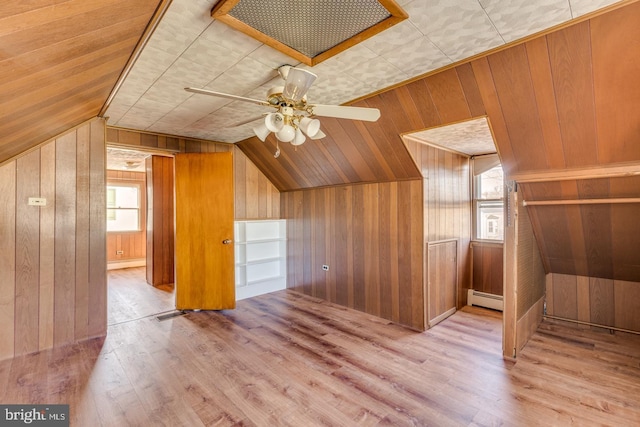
(580,201)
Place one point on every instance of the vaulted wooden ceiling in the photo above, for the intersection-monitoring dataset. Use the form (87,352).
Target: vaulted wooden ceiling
(59,61)
(355,151)
(567,100)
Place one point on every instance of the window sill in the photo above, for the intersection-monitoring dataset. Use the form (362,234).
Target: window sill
(480,242)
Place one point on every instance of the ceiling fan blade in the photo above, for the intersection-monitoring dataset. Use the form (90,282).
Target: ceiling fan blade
(244,122)
(226,95)
(297,84)
(345,112)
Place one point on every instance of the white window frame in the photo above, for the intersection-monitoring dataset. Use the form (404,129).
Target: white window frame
(138,187)
(478,202)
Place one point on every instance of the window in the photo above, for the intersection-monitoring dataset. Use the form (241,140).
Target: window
(488,203)
(123,207)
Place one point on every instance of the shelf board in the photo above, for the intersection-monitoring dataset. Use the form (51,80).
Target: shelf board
(260,261)
(266,279)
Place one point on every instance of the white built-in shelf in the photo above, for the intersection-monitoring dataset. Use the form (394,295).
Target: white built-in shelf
(261,257)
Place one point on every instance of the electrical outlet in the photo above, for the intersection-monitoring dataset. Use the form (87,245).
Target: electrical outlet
(37,201)
(325,267)
(119,252)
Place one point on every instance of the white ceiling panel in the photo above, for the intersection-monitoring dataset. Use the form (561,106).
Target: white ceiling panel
(189,48)
(582,7)
(515,19)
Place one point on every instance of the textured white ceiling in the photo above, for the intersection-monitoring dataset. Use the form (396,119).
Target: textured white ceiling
(189,48)
(128,160)
(471,137)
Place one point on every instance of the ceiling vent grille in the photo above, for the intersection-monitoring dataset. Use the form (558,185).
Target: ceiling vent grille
(310,31)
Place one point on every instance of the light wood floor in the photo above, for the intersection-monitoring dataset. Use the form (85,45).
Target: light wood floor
(130,297)
(286,359)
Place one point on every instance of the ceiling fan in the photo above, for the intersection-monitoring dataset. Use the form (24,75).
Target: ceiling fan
(293,119)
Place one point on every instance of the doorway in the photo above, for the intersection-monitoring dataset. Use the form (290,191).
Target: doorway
(129,225)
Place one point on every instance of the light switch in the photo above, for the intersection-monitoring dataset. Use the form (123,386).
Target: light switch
(37,201)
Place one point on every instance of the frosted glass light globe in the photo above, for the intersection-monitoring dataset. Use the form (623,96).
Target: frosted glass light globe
(286,134)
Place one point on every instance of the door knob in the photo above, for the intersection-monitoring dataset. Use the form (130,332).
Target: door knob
(226,241)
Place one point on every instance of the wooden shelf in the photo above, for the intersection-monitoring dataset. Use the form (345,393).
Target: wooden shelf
(260,257)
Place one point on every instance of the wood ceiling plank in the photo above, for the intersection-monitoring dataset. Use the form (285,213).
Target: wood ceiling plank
(10,8)
(371,150)
(542,81)
(387,138)
(424,104)
(570,58)
(49,13)
(90,92)
(613,36)
(349,158)
(496,119)
(61,64)
(316,159)
(261,155)
(338,158)
(39,96)
(471,90)
(512,79)
(404,115)
(448,97)
(44,77)
(327,156)
(41,126)
(408,106)
(47,33)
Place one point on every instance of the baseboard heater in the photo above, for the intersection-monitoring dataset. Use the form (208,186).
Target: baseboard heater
(483,299)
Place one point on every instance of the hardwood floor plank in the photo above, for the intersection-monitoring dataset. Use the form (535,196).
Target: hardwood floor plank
(286,359)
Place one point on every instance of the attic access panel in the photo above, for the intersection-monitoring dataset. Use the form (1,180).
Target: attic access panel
(310,31)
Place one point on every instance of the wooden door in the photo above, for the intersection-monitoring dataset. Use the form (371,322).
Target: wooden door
(204,231)
(160,237)
(442,267)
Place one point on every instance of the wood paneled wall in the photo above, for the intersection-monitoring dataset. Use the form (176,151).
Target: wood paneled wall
(370,236)
(446,203)
(255,196)
(53,263)
(132,244)
(524,277)
(588,240)
(160,236)
(569,100)
(487,267)
(60,60)
(530,271)
(595,300)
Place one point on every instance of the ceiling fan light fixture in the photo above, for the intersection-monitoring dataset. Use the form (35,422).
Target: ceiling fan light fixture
(297,84)
(261,131)
(310,126)
(318,135)
(286,134)
(299,139)
(274,122)
(283,70)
